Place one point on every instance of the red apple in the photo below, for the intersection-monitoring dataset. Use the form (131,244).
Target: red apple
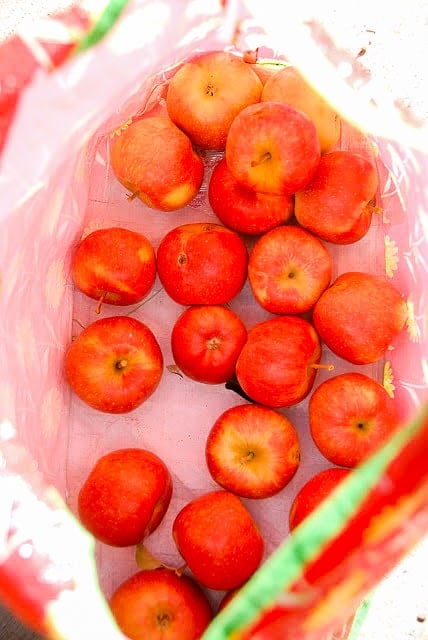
(242,209)
(359,316)
(288,270)
(252,451)
(278,363)
(289,86)
(125,496)
(159,604)
(202,263)
(272,147)
(156,162)
(313,492)
(206,94)
(206,341)
(350,417)
(219,540)
(338,202)
(114,364)
(114,265)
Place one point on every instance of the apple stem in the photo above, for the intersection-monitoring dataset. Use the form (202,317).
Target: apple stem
(122,364)
(371,206)
(100,301)
(178,570)
(247,458)
(328,367)
(133,195)
(266,156)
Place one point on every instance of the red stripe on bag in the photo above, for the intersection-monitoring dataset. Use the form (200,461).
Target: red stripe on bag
(20,59)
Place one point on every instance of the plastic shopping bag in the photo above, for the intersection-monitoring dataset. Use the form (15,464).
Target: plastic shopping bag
(66,90)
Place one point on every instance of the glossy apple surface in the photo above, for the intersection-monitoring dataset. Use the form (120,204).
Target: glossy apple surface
(206,94)
(288,270)
(350,417)
(219,540)
(359,316)
(206,341)
(159,604)
(338,202)
(114,364)
(290,86)
(242,209)
(313,492)
(252,451)
(114,265)
(125,496)
(278,363)
(156,162)
(202,263)
(273,148)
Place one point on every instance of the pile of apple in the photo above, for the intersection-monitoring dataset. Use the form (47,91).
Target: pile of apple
(282,182)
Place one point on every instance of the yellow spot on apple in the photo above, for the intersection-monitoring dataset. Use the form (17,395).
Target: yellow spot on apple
(144,253)
(178,196)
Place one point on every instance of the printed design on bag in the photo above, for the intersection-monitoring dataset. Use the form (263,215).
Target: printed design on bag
(391,256)
(55,284)
(11,279)
(119,130)
(26,342)
(339,598)
(52,212)
(50,412)
(388,379)
(413,329)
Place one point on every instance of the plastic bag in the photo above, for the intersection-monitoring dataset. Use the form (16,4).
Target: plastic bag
(56,187)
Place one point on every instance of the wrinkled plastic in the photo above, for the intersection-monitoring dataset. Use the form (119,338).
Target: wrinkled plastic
(57,186)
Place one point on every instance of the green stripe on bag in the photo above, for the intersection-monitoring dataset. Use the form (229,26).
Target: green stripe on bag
(106,21)
(285,564)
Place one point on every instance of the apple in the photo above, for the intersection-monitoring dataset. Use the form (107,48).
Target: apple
(278,363)
(158,603)
(206,94)
(125,496)
(290,86)
(218,539)
(288,269)
(359,316)
(252,451)
(114,265)
(206,341)
(265,68)
(338,202)
(245,210)
(115,364)
(202,263)
(313,492)
(350,417)
(156,162)
(273,148)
